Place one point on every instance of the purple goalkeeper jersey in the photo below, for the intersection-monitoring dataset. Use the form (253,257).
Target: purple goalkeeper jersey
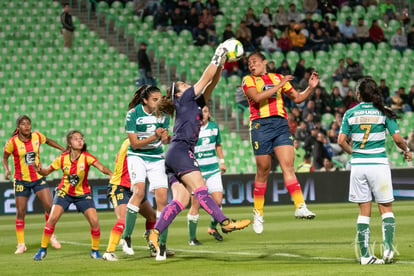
(188,117)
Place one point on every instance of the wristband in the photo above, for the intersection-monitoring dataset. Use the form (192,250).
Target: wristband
(221,161)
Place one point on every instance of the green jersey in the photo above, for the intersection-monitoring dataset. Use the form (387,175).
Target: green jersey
(367,127)
(144,125)
(205,150)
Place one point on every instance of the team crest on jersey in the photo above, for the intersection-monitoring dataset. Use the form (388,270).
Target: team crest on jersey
(66,168)
(73,179)
(36,143)
(30,157)
(81,167)
(205,141)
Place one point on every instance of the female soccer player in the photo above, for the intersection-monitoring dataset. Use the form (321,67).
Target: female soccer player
(24,145)
(206,151)
(183,171)
(146,134)
(119,193)
(269,132)
(366,125)
(75,163)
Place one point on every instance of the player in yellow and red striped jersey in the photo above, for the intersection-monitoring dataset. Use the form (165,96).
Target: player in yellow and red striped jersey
(24,145)
(269,132)
(119,193)
(73,188)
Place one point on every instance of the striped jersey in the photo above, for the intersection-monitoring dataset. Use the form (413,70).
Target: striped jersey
(144,125)
(25,153)
(121,174)
(271,106)
(366,125)
(205,150)
(75,174)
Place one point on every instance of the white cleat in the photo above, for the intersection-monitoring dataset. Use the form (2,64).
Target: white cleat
(161,253)
(20,248)
(371,260)
(257,222)
(126,246)
(388,256)
(303,213)
(110,256)
(55,243)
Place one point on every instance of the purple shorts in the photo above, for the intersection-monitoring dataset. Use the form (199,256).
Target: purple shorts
(179,160)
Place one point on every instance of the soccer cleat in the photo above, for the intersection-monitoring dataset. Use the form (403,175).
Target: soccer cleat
(371,260)
(388,256)
(303,213)
(257,222)
(55,243)
(168,252)
(20,248)
(232,225)
(162,253)
(215,234)
(110,256)
(40,255)
(95,254)
(153,240)
(194,242)
(126,246)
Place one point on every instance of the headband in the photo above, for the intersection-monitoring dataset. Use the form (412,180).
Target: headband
(172,91)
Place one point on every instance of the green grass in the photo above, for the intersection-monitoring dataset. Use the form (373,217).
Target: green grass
(324,246)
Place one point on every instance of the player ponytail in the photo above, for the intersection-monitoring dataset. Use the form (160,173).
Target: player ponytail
(165,105)
(69,137)
(18,122)
(137,98)
(369,92)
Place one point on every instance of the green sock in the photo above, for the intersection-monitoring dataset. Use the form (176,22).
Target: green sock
(163,237)
(213,223)
(131,217)
(388,229)
(192,226)
(363,233)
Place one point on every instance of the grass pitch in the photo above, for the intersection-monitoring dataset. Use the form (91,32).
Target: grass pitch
(323,246)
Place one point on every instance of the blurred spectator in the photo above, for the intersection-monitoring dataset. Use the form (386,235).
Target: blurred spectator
(213,6)
(327,6)
(410,98)
(410,142)
(309,109)
(178,19)
(328,165)
(301,131)
(310,6)
(200,35)
(385,91)
(350,100)
(293,124)
(271,67)
(244,35)
(280,19)
(230,69)
(269,43)
(212,37)
(299,70)
(243,65)
(184,6)
(299,154)
(399,102)
(67,26)
(250,17)
(410,38)
(258,32)
(241,98)
(306,165)
(376,33)
(348,31)
(284,43)
(328,147)
(169,5)
(161,19)
(228,32)
(296,113)
(284,68)
(144,66)
(319,151)
(399,41)
(344,88)
(319,41)
(333,132)
(297,39)
(334,100)
(293,14)
(362,32)
(303,83)
(207,18)
(265,18)
(353,69)
(304,30)
(319,98)
(198,5)
(308,21)
(388,10)
(333,32)
(339,72)
(192,19)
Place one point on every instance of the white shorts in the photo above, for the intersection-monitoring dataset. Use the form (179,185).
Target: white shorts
(140,169)
(214,183)
(371,179)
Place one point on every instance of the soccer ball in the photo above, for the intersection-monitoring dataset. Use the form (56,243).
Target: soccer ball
(235,49)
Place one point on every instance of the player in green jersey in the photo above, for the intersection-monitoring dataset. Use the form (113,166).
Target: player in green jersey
(366,125)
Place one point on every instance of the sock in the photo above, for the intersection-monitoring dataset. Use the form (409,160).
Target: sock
(363,234)
(295,192)
(20,230)
(95,237)
(258,196)
(46,216)
(47,234)
(116,233)
(192,225)
(388,229)
(168,214)
(130,219)
(208,204)
(214,222)
(149,224)
(163,236)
